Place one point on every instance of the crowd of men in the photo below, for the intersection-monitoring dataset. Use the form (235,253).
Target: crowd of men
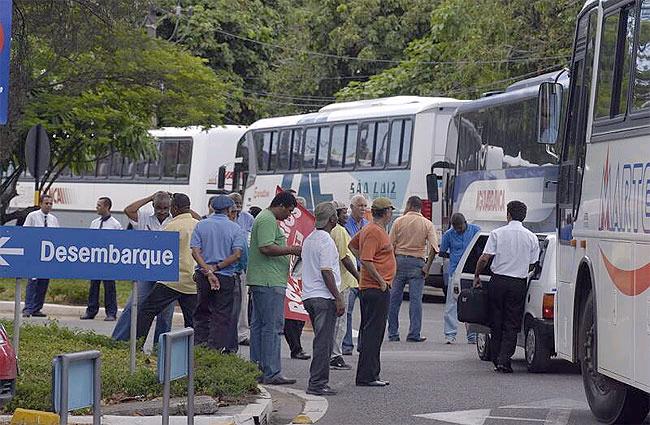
(230,254)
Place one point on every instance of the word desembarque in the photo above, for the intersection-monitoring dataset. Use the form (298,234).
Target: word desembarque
(106,255)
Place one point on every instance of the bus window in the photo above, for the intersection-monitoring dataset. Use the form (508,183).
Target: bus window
(104,166)
(169,158)
(400,143)
(323,146)
(184,160)
(372,141)
(296,141)
(641,97)
(263,146)
(311,148)
(338,146)
(284,150)
(381,144)
(128,167)
(116,165)
(351,145)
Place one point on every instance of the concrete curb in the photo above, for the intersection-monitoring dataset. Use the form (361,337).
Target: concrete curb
(66,310)
(257,412)
(314,409)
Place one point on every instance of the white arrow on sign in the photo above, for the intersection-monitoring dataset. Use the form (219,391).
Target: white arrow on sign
(8,251)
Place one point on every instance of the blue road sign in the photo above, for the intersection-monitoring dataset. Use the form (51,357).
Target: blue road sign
(5,37)
(48,252)
(179,360)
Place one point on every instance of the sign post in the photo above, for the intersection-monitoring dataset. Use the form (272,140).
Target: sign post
(176,360)
(37,156)
(16,338)
(77,383)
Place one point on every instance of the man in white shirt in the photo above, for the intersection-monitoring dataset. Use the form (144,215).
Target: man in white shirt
(37,288)
(105,221)
(321,279)
(513,249)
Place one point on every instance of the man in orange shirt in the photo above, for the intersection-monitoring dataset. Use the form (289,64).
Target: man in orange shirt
(378,266)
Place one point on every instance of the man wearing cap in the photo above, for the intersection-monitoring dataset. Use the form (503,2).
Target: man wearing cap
(164,294)
(321,278)
(349,279)
(378,266)
(411,235)
(217,244)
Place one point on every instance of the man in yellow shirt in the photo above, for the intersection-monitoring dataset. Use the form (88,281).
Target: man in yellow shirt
(183,291)
(349,279)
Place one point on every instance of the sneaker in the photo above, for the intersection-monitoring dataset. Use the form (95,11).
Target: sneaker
(337,363)
(450,340)
(393,338)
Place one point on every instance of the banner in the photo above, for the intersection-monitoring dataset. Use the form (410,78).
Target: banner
(5,37)
(296,228)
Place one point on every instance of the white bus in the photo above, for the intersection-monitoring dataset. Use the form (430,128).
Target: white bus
(189,161)
(380,147)
(603,200)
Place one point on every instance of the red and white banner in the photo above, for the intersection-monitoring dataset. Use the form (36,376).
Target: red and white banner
(296,228)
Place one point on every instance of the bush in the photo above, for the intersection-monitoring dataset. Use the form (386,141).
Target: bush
(66,291)
(227,377)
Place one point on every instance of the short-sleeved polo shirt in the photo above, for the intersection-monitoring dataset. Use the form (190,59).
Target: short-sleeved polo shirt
(374,246)
(264,270)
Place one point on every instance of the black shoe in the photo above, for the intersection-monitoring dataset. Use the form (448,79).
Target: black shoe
(418,339)
(110,319)
(393,338)
(39,314)
(301,356)
(279,380)
(87,317)
(347,352)
(245,342)
(373,384)
(26,315)
(337,363)
(503,369)
(321,391)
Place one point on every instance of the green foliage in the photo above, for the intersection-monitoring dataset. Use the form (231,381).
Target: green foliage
(225,376)
(66,291)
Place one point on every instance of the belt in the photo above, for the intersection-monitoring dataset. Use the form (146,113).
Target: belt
(410,256)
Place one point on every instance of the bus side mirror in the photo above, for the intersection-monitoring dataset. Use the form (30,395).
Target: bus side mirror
(549,111)
(432,187)
(221,177)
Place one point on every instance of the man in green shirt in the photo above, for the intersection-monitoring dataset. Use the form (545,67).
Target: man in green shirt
(268,270)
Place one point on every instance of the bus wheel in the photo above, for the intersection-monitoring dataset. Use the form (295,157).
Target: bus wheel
(610,401)
(538,355)
(483,346)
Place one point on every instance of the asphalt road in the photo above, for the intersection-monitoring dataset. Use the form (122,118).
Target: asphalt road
(434,383)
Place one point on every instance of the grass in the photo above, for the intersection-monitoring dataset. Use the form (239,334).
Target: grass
(227,377)
(66,291)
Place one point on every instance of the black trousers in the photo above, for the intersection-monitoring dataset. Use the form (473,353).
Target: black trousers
(292,333)
(213,314)
(233,340)
(110,298)
(322,313)
(374,313)
(157,300)
(507,297)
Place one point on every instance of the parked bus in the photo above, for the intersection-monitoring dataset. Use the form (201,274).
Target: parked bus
(603,208)
(188,161)
(379,147)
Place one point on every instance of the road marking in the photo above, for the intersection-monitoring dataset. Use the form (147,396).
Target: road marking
(511,418)
(558,416)
(8,251)
(463,417)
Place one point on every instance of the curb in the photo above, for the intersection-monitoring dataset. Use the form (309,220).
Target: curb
(255,413)
(314,409)
(64,310)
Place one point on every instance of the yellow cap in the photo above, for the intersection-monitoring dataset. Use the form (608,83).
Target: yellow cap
(382,204)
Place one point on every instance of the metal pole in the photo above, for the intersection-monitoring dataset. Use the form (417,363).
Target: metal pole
(190,379)
(166,377)
(97,392)
(63,403)
(134,323)
(36,170)
(16,339)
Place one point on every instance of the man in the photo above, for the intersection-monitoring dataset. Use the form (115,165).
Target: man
(514,249)
(321,278)
(37,287)
(217,244)
(142,219)
(410,236)
(378,266)
(165,294)
(356,221)
(453,245)
(104,221)
(245,221)
(349,279)
(268,270)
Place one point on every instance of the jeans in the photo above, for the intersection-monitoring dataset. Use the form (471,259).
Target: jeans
(110,298)
(213,318)
(322,313)
(158,299)
(122,330)
(35,295)
(348,345)
(267,322)
(243,330)
(374,311)
(340,329)
(409,271)
(451,311)
(507,297)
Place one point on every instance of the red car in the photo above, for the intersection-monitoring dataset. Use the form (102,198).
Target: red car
(8,369)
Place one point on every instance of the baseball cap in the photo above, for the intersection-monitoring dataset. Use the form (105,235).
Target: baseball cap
(382,204)
(222,202)
(323,212)
(339,205)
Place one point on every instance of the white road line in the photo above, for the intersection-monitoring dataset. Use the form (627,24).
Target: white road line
(558,417)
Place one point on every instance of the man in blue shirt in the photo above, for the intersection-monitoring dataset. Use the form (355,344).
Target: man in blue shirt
(245,221)
(217,245)
(453,245)
(356,221)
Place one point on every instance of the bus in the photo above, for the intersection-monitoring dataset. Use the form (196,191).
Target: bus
(189,160)
(603,208)
(376,148)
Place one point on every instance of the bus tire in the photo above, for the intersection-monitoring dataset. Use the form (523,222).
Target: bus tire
(610,401)
(538,355)
(483,346)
